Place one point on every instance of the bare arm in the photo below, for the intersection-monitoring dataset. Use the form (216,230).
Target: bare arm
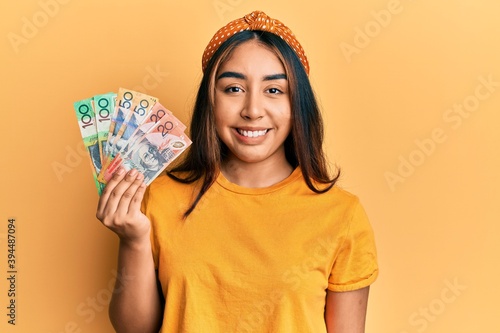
(135,305)
(346,311)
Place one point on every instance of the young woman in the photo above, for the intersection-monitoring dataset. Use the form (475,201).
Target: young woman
(249,233)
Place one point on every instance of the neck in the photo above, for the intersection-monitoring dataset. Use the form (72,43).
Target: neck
(256,175)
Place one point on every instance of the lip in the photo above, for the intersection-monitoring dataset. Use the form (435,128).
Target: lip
(246,128)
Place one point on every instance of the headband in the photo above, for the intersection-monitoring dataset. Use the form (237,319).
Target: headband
(256,20)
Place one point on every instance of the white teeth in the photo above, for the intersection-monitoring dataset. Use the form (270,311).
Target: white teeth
(252,134)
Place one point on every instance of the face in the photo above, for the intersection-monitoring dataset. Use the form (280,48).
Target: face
(147,156)
(252,105)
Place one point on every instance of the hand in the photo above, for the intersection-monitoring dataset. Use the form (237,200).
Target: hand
(119,207)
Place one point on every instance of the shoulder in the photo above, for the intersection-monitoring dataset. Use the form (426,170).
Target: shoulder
(165,183)
(341,194)
(349,203)
(343,208)
(162,185)
(336,196)
(165,189)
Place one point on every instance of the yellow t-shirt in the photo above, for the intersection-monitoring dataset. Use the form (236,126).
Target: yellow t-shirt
(256,259)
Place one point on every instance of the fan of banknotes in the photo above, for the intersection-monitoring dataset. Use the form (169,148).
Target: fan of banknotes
(129,129)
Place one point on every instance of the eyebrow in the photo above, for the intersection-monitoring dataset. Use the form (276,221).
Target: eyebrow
(275,77)
(241,76)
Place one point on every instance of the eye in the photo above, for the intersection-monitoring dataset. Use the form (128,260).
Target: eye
(233,90)
(274,91)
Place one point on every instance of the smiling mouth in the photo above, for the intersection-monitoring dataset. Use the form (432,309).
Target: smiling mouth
(252,134)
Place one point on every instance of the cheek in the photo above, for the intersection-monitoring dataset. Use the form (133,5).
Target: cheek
(224,114)
(284,118)
(222,131)
(287,131)
(219,112)
(219,122)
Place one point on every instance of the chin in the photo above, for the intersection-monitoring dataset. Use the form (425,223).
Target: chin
(247,158)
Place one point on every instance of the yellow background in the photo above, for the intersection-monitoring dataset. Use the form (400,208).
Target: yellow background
(436,226)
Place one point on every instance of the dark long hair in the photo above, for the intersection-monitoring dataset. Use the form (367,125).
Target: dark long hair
(303,146)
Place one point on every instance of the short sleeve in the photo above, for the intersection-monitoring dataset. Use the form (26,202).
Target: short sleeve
(145,211)
(356,264)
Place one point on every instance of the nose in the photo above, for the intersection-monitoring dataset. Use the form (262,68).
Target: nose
(252,108)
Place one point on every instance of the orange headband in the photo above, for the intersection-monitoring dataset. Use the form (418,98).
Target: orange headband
(256,20)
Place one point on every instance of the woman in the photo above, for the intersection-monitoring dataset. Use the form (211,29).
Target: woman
(248,233)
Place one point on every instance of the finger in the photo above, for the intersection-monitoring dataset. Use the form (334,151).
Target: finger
(135,203)
(128,195)
(116,195)
(108,189)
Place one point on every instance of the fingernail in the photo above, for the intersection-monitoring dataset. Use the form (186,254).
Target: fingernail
(140,176)
(133,172)
(120,170)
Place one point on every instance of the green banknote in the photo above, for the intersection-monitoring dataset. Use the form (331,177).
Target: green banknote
(88,129)
(104,106)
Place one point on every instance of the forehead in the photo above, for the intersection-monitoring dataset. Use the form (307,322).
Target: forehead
(253,57)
